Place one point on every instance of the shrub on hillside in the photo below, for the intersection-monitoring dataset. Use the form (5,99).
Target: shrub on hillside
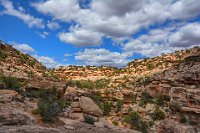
(84,84)
(11,83)
(136,122)
(158,114)
(49,105)
(145,98)
(175,107)
(2,55)
(119,105)
(106,107)
(89,120)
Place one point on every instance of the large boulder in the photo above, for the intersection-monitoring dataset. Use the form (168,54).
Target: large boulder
(12,116)
(8,95)
(170,126)
(89,107)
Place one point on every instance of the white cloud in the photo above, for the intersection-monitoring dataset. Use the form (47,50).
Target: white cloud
(24,48)
(47,61)
(166,40)
(65,10)
(43,34)
(53,25)
(81,37)
(67,55)
(114,19)
(101,57)
(186,36)
(116,8)
(27,18)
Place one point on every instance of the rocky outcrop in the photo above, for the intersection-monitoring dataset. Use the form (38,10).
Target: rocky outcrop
(8,95)
(169,126)
(89,107)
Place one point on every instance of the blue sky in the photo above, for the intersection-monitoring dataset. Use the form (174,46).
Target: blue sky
(99,32)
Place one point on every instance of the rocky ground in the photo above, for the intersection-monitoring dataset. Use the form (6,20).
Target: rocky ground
(158,94)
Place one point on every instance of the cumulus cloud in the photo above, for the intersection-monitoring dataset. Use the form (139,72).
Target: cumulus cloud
(24,48)
(43,34)
(165,40)
(115,19)
(47,61)
(186,36)
(20,13)
(81,37)
(101,57)
(116,8)
(53,25)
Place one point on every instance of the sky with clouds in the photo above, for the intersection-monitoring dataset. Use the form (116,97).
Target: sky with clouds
(99,32)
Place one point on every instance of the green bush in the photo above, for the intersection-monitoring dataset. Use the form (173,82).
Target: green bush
(84,84)
(135,121)
(96,97)
(11,83)
(145,98)
(115,123)
(89,120)
(150,66)
(160,99)
(106,107)
(133,99)
(31,63)
(119,105)
(175,107)
(2,55)
(182,118)
(23,58)
(158,114)
(49,105)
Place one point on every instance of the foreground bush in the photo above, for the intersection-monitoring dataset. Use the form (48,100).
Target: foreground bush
(49,105)
(89,120)
(11,83)
(135,121)
(158,114)
(145,98)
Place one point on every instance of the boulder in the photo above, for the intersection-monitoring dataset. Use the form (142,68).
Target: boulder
(11,116)
(89,107)
(170,126)
(8,95)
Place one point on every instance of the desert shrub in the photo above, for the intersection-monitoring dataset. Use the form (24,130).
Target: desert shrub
(145,98)
(2,55)
(135,121)
(11,83)
(150,66)
(23,58)
(31,74)
(133,99)
(31,63)
(97,98)
(175,107)
(143,81)
(106,107)
(115,123)
(89,120)
(182,118)
(160,99)
(119,105)
(158,114)
(101,83)
(49,105)
(84,84)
